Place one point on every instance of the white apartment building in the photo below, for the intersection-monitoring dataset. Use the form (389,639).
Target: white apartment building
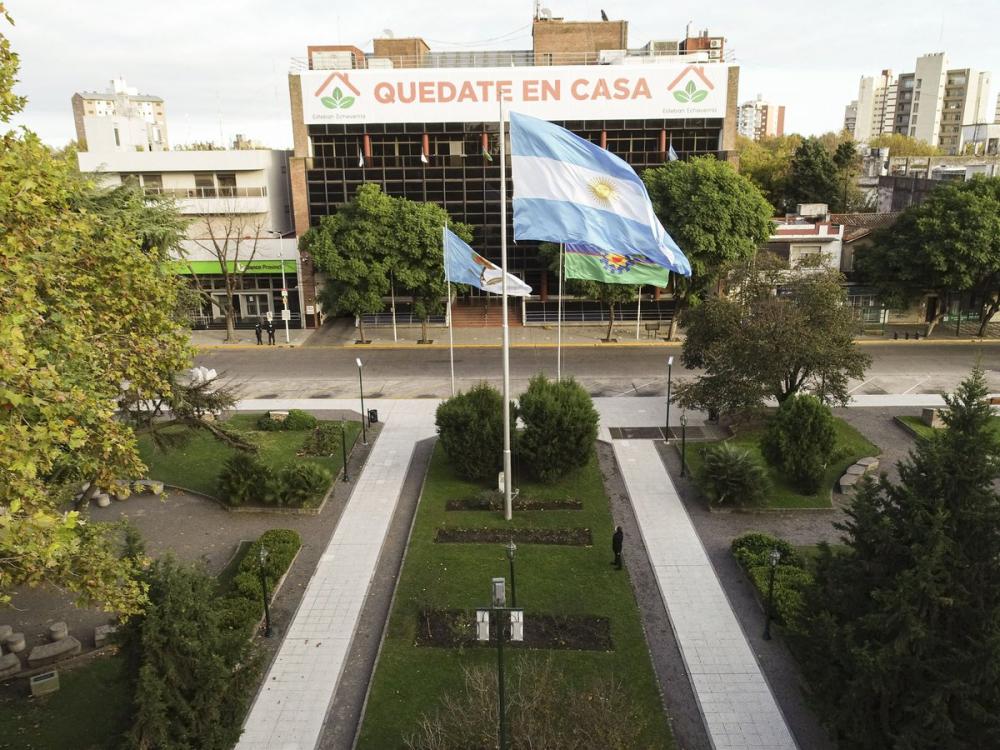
(239,206)
(758,119)
(119,119)
(930,104)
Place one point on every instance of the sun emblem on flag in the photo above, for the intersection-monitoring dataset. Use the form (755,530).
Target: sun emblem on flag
(616,262)
(603,189)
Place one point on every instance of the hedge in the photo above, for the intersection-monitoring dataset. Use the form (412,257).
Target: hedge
(752,552)
(243,606)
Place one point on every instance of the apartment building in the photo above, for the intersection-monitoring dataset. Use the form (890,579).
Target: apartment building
(930,104)
(119,119)
(758,119)
(424,124)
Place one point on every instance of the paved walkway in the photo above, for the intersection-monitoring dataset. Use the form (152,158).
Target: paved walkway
(289,711)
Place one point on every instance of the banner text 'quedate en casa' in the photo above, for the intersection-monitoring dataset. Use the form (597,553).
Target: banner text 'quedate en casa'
(583,92)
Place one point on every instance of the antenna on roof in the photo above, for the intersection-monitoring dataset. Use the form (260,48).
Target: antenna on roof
(387,33)
(604,16)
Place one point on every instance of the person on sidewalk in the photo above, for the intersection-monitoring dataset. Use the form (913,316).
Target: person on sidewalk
(258,329)
(270,332)
(616,546)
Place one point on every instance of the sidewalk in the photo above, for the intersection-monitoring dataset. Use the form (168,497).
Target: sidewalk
(243,338)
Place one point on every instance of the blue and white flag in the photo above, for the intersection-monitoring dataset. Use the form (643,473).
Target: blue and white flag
(464,265)
(566,189)
(671,154)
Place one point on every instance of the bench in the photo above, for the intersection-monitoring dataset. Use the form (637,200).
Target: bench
(52,652)
(652,329)
(9,665)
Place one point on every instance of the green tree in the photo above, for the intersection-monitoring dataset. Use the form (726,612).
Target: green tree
(350,247)
(471,428)
(758,345)
(560,427)
(768,164)
(717,216)
(949,244)
(732,476)
(813,175)
(903,145)
(84,311)
(900,632)
(192,678)
(418,255)
(799,441)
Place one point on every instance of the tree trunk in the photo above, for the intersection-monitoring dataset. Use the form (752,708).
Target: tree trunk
(81,502)
(423,329)
(987,315)
(361,327)
(932,324)
(611,320)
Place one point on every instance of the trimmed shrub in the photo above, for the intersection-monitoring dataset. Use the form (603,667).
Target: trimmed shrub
(799,440)
(303,484)
(266,423)
(732,476)
(791,578)
(471,428)
(560,427)
(281,546)
(245,478)
(324,441)
(754,549)
(300,420)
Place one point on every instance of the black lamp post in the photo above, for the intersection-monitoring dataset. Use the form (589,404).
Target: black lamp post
(361,388)
(263,588)
(670,370)
(511,551)
(773,559)
(684,424)
(343,447)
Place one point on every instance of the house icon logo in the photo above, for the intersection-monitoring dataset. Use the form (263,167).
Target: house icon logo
(337,99)
(691,91)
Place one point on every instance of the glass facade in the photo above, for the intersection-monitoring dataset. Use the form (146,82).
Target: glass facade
(463,180)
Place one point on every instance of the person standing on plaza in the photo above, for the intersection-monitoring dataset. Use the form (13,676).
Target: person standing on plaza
(258,329)
(270,332)
(616,546)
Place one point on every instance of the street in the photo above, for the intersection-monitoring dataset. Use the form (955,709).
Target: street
(314,372)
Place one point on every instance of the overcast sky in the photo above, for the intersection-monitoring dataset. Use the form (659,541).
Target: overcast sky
(222,66)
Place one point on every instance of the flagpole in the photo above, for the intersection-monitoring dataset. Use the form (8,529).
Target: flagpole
(507,478)
(559,319)
(451,333)
(392,291)
(638,311)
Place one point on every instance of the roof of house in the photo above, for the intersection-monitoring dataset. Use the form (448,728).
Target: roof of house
(857,226)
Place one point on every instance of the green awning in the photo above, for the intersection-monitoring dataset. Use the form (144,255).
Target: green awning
(209,267)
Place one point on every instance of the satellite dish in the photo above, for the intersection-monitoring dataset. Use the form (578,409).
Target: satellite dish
(387,33)
(546,13)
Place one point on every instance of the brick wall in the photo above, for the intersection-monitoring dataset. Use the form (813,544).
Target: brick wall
(404,53)
(565,42)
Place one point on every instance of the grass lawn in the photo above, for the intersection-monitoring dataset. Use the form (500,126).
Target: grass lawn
(90,711)
(196,464)
(559,580)
(916,424)
(850,446)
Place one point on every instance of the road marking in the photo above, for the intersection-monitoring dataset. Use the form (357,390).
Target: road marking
(915,385)
(859,385)
(635,388)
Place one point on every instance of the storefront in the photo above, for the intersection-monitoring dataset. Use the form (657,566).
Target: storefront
(257,292)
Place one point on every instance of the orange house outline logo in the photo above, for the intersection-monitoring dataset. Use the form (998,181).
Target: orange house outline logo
(691,92)
(337,99)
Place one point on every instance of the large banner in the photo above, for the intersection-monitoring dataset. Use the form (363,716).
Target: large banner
(586,92)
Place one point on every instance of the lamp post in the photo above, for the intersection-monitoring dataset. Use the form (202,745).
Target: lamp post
(284,286)
(500,614)
(499,606)
(684,424)
(343,447)
(511,551)
(670,372)
(361,387)
(773,559)
(263,588)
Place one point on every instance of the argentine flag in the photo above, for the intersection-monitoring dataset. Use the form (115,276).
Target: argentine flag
(566,189)
(464,265)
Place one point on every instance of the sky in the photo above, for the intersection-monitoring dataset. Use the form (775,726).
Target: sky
(222,66)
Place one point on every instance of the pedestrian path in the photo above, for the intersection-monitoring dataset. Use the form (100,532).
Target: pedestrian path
(289,711)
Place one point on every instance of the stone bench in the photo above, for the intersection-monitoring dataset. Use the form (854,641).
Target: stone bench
(848,481)
(9,665)
(869,462)
(102,633)
(14,642)
(5,630)
(53,652)
(58,631)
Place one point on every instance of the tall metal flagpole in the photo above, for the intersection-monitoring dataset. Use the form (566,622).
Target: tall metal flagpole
(507,476)
(447,279)
(392,291)
(559,319)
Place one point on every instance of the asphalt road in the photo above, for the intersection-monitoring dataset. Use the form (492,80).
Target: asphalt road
(313,372)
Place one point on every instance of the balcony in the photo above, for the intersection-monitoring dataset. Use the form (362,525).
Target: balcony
(223,200)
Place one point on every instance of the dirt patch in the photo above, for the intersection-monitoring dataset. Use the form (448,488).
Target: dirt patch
(454,628)
(568,537)
(526,503)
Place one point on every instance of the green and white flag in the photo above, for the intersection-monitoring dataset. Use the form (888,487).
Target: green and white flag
(588,262)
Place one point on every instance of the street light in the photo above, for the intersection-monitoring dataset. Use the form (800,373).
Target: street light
(343,447)
(284,286)
(511,551)
(361,386)
(500,614)
(684,425)
(773,559)
(263,588)
(670,371)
